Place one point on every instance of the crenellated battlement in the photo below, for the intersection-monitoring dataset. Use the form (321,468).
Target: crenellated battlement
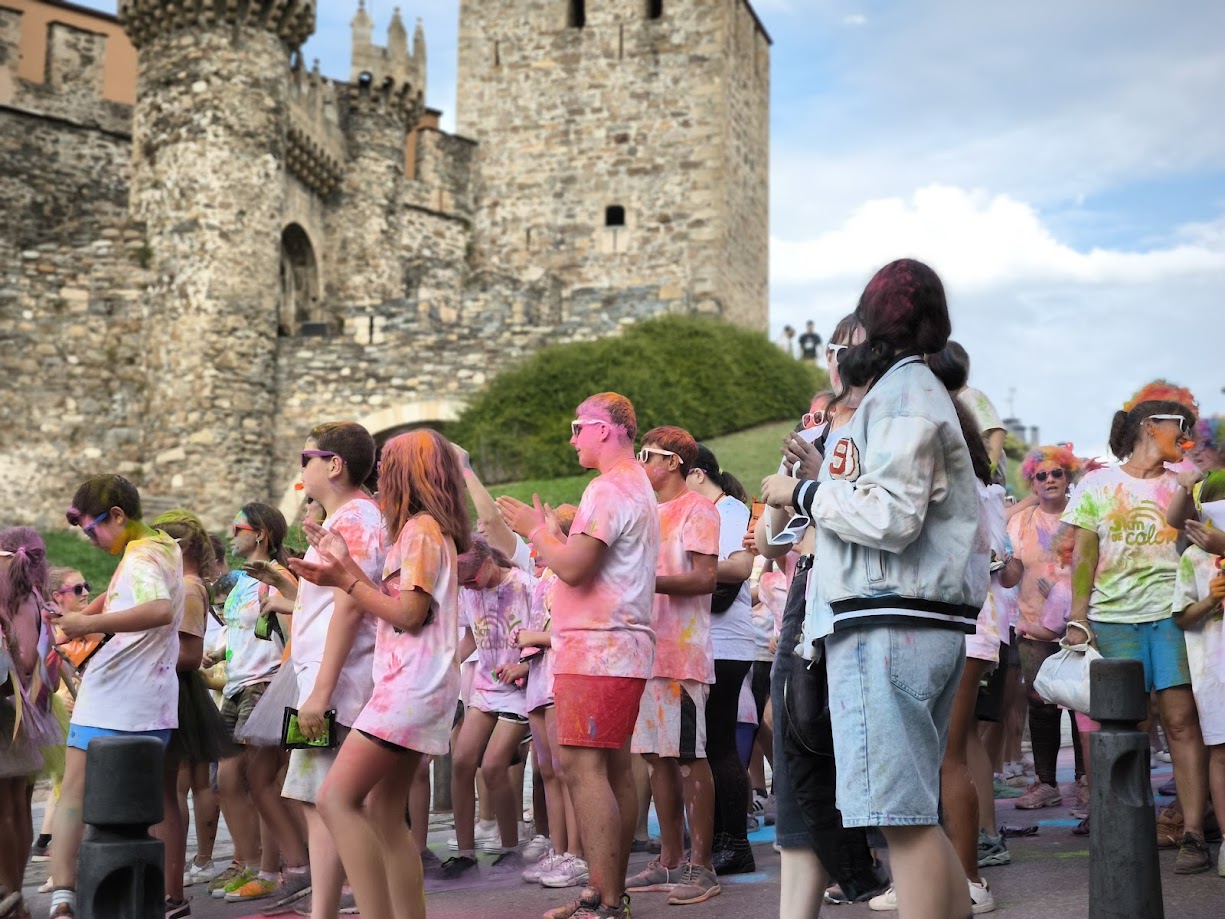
(389,75)
(292,20)
(316,149)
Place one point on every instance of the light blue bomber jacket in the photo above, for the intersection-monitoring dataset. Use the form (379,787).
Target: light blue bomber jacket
(895,508)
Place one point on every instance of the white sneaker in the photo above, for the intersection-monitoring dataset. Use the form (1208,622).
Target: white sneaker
(570,871)
(548,862)
(884,902)
(537,849)
(485,837)
(981,900)
(197,874)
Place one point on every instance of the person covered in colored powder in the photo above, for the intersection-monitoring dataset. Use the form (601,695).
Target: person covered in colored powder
(602,638)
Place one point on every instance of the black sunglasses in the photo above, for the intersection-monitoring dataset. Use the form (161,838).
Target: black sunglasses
(1042,476)
(79,589)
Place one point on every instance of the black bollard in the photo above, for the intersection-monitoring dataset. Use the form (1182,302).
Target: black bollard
(121,868)
(1124,874)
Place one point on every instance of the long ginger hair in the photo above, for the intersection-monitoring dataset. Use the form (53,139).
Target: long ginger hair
(420,474)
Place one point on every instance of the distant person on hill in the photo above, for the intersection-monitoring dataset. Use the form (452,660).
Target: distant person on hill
(810,343)
(786,341)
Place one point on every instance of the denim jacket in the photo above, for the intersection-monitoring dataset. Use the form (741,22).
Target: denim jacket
(895,508)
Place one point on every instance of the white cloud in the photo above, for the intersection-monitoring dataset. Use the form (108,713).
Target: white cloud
(980,241)
(855,19)
(1073,332)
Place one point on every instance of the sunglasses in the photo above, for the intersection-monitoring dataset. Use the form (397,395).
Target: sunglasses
(241,526)
(1055,474)
(832,352)
(80,590)
(791,533)
(644,455)
(576,427)
(89,530)
(1182,422)
(812,419)
(308,455)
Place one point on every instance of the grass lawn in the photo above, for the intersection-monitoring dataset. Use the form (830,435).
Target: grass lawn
(71,550)
(750,455)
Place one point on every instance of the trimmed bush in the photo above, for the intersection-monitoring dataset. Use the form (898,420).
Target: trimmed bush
(705,375)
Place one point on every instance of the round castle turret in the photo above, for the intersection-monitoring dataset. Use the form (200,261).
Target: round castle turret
(209,150)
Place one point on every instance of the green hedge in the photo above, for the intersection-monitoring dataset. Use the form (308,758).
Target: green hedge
(704,375)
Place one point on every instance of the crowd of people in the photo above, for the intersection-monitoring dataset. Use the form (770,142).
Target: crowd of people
(656,643)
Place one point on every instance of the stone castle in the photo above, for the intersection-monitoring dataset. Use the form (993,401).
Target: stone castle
(207,247)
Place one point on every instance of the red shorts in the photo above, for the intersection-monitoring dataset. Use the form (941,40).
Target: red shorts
(596,711)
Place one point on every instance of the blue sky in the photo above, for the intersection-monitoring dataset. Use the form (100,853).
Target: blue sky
(1061,165)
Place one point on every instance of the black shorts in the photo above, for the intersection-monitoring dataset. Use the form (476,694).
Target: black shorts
(990,704)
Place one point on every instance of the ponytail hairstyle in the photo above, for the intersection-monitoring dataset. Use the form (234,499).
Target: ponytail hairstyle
(951,365)
(28,572)
(974,441)
(705,460)
(271,522)
(1125,426)
(732,486)
(902,308)
(185,528)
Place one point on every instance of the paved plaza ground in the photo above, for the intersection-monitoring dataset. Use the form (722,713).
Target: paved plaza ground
(1048,879)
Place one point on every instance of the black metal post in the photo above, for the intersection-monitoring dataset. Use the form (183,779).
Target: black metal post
(1124,874)
(121,868)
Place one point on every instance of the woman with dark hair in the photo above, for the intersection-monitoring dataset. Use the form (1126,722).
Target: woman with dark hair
(898,582)
(1124,566)
(255,646)
(26,722)
(735,646)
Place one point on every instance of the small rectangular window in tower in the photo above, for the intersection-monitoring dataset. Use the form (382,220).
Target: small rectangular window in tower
(614,216)
(655,9)
(576,15)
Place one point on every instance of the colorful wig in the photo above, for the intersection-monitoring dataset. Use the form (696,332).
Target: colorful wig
(1210,432)
(1163,391)
(1056,454)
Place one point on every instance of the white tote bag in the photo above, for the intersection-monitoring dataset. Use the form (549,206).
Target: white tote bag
(1063,678)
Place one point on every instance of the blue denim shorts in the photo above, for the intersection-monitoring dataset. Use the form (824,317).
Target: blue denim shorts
(891,698)
(1159,645)
(79,735)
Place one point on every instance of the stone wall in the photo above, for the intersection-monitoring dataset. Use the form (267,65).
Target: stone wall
(627,112)
(72,317)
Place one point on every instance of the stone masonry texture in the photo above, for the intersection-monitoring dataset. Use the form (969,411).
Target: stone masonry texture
(189,284)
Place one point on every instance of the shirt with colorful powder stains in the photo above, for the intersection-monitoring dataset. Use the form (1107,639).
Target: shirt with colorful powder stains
(132,682)
(689,525)
(1137,553)
(603,626)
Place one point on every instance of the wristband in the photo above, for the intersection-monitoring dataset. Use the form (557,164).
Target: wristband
(531,537)
(349,589)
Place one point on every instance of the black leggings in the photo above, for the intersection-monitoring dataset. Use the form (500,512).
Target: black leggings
(731,778)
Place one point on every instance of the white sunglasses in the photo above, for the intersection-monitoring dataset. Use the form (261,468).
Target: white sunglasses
(834,351)
(577,426)
(1182,422)
(644,455)
(789,534)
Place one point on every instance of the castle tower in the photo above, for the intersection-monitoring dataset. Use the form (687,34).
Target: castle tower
(383,101)
(624,145)
(209,144)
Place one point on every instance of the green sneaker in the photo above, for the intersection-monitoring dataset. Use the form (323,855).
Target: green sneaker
(230,880)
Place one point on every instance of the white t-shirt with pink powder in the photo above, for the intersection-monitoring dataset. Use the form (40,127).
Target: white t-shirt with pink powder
(361,524)
(494,616)
(416,679)
(603,627)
